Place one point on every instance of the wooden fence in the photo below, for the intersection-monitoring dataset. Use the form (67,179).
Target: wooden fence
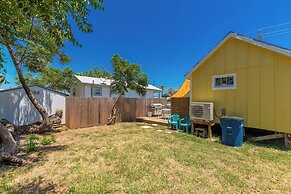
(88,112)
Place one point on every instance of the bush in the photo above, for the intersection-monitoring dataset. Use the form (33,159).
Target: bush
(59,113)
(47,140)
(31,143)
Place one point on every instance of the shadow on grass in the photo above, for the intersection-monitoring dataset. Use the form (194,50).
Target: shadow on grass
(34,156)
(40,153)
(250,132)
(37,186)
(273,144)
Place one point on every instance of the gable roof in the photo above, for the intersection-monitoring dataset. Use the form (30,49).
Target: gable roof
(262,44)
(94,80)
(30,86)
(105,82)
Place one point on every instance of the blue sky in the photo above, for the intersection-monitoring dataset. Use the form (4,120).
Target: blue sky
(168,37)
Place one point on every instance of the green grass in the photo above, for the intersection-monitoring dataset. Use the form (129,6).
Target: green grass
(127,159)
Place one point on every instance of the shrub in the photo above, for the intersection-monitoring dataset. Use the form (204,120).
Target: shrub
(59,113)
(47,140)
(31,143)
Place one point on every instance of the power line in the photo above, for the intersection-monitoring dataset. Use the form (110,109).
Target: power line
(277,25)
(268,27)
(277,31)
(273,35)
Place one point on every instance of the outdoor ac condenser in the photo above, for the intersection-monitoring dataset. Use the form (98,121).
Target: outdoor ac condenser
(201,111)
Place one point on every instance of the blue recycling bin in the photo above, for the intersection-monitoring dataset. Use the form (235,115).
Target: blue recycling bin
(232,130)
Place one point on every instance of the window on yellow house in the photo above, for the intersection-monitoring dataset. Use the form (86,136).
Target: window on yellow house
(224,82)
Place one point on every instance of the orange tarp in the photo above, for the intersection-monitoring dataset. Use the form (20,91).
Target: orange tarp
(184,90)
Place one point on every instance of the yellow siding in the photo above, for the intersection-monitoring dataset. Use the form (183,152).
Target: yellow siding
(263,94)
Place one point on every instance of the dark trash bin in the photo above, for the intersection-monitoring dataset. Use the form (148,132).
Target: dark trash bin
(232,130)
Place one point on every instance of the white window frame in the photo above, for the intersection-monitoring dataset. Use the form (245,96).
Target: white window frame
(74,91)
(94,95)
(233,87)
(36,92)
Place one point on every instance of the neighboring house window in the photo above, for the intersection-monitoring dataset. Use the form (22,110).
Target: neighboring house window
(36,92)
(74,92)
(97,91)
(224,82)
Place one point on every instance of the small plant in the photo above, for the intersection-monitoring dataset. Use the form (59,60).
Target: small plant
(47,140)
(59,113)
(31,143)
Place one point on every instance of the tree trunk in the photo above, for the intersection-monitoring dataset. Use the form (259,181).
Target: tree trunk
(112,117)
(8,147)
(45,119)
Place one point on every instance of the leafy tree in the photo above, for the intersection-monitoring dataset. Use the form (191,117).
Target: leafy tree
(96,72)
(34,33)
(126,76)
(2,70)
(2,78)
(53,78)
(165,95)
(171,91)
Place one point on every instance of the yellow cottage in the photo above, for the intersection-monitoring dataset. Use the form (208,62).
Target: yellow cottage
(248,78)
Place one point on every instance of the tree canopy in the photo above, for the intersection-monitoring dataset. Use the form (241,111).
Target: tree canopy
(96,72)
(37,30)
(53,78)
(127,76)
(165,95)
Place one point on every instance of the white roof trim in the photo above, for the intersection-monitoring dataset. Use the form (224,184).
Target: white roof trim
(63,93)
(243,38)
(105,82)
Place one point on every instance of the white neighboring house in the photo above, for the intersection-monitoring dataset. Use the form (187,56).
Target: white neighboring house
(100,87)
(16,107)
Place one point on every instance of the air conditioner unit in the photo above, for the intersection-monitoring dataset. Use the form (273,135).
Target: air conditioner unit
(201,111)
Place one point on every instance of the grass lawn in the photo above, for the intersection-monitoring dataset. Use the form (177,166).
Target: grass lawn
(125,158)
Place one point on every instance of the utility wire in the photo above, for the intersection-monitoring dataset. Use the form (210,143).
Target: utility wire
(268,27)
(277,31)
(273,35)
(273,26)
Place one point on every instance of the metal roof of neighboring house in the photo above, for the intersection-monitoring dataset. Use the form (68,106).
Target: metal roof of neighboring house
(184,90)
(105,82)
(18,88)
(263,44)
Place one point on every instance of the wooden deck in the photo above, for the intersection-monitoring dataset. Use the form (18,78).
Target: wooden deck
(152,120)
